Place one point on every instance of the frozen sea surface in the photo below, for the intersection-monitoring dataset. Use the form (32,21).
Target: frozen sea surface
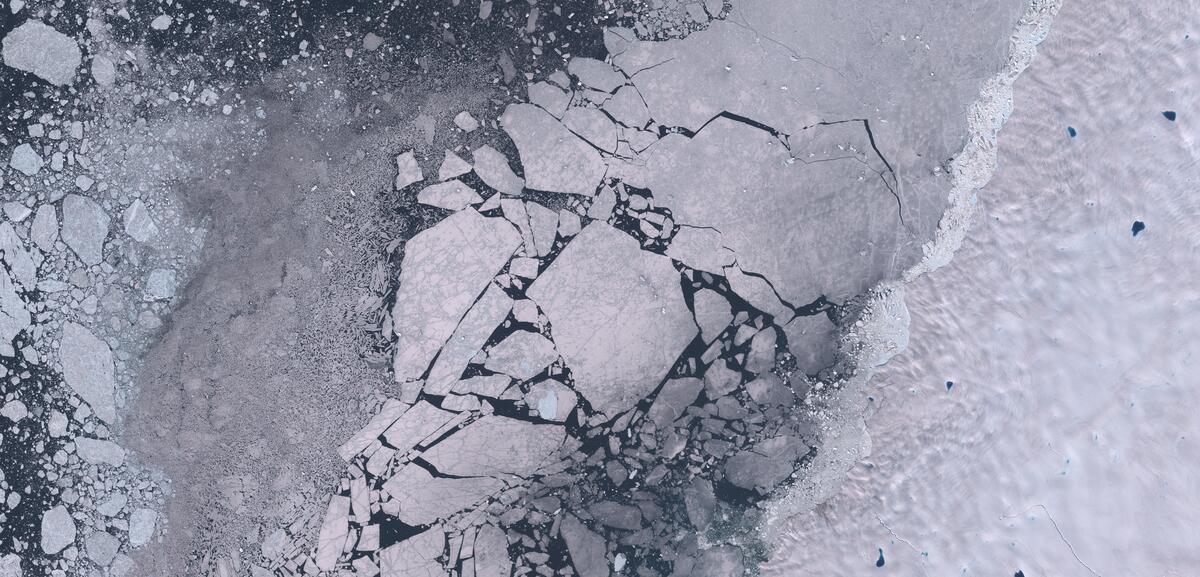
(1066,444)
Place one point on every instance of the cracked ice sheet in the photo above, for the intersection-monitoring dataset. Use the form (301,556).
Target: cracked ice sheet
(424,498)
(618,314)
(791,64)
(554,159)
(495,446)
(825,224)
(445,268)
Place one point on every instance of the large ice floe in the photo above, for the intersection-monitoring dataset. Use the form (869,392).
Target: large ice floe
(606,355)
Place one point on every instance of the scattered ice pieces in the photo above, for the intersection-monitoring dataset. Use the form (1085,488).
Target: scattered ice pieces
(408,170)
(42,51)
(85,227)
(58,530)
(26,160)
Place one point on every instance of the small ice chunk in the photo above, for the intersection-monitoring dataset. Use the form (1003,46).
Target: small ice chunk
(44,230)
(112,506)
(101,547)
(58,530)
(333,532)
(701,249)
(26,160)
(98,451)
(492,167)
(551,98)
(16,211)
(407,170)
(14,411)
(161,22)
(57,425)
(596,74)
(466,122)
(522,355)
(84,182)
(42,51)
(85,226)
(141,526)
(453,166)
(162,284)
(104,72)
(10,564)
(87,366)
(453,195)
(372,41)
(138,223)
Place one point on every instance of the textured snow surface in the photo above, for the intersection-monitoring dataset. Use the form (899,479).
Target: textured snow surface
(1065,445)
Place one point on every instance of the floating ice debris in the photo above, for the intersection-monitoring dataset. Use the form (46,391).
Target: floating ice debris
(586,548)
(58,530)
(161,22)
(1138,226)
(26,160)
(85,227)
(466,122)
(407,170)
(42,51)
(372,41)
